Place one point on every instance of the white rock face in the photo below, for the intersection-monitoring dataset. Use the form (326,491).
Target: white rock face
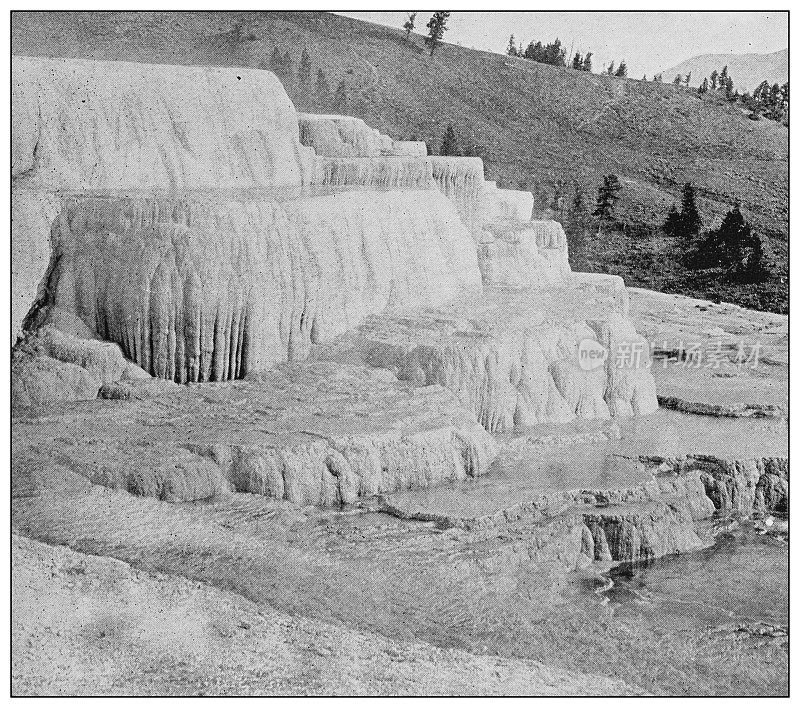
(513,250)
(88,125)
(501,205)
(344,136)
(479,201)
(524,254)
(513,357)
(208,290)
(51,365)
(32,213)
(461,180)
(373,173)
(116,125)
(83,126)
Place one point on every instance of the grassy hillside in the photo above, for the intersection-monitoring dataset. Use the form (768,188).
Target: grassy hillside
(535,125)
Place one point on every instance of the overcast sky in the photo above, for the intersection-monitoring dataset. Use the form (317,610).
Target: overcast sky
(648,41)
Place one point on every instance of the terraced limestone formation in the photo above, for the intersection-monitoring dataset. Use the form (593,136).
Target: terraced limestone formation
(290,357)
(318,236)
(203,274)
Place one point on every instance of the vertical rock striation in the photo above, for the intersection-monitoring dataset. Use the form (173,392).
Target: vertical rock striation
(86,125)
(209,289)
(461,180)
(373,173)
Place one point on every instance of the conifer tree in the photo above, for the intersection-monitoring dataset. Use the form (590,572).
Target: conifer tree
(607,197)
(672,225)
(685,224)
(729,245)
(578,209)
(322,89)
(408,26)
(304,73)
(577,61)
(587,62)
(534,51)
(555,54)
(437,26)
(728,87)
(755,267)
(714,79)
(340,98)
(610,71)
(450,146)
(511,49)
(692,221)
(622,70)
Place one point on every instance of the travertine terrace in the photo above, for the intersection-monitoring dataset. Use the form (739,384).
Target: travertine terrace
(305,309)
(192,218)
(293,358)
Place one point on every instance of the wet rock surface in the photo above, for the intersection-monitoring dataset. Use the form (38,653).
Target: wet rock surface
(311,434)
(715,359)
(511,591)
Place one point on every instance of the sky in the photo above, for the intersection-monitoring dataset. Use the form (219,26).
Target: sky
(648,41)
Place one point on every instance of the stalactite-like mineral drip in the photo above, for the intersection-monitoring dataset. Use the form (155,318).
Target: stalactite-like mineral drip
(249,284)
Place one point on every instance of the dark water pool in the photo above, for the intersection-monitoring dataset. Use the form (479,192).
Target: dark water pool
(743,578)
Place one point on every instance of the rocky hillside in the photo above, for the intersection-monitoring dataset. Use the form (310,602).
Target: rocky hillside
(533,124)
(746,70)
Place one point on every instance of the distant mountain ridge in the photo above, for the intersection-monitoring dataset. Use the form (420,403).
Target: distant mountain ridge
(746,70)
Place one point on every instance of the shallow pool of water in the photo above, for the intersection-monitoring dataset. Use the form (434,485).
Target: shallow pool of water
(743,578)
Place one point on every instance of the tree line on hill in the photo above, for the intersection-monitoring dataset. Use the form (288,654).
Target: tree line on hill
(731,248)
(718,81)
(768,100)
(453,145)
(555,54)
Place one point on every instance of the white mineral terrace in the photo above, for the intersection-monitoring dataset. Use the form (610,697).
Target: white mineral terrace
(192,218)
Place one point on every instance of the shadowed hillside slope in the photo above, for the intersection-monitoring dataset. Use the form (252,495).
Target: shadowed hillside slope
(533,124)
